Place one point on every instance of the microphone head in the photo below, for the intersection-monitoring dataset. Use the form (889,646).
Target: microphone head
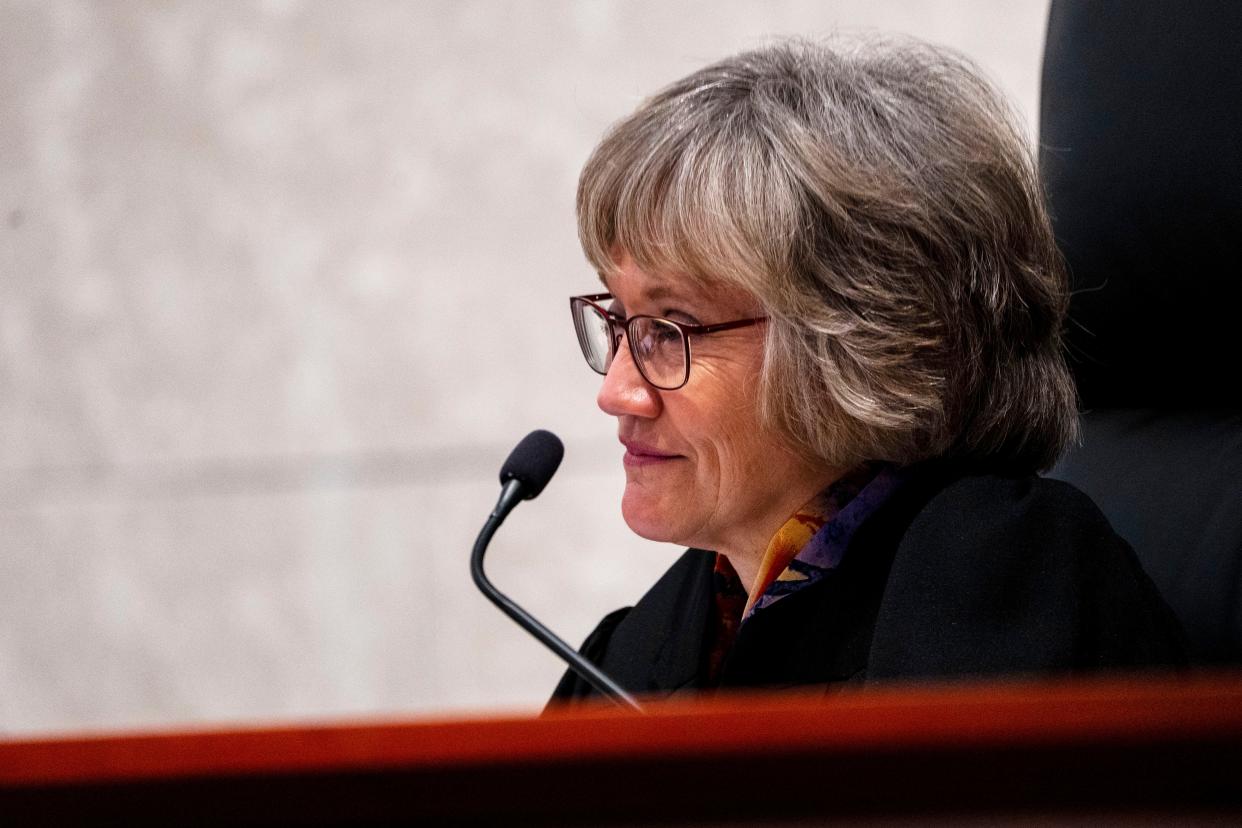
(533,462)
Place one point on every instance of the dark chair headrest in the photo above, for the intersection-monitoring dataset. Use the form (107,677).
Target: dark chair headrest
(1141,152)
(1169,483)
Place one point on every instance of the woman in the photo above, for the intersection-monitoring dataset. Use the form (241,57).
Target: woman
(832,342)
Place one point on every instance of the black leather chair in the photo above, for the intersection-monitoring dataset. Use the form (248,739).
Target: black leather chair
(1141,152)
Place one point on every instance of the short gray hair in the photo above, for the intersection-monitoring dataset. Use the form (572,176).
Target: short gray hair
(878,198)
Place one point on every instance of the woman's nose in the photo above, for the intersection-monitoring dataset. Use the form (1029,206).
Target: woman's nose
(624,391)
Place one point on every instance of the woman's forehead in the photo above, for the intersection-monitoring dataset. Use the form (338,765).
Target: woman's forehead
(630,283)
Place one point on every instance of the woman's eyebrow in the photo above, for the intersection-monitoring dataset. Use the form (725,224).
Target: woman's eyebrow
(668,293)
(661,292)
(657,293)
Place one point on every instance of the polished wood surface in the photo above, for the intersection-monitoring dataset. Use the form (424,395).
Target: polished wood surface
(1120,746)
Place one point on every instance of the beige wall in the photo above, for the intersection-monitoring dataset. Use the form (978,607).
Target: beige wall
(280,284)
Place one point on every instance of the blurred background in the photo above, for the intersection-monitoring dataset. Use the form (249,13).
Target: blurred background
(281,283)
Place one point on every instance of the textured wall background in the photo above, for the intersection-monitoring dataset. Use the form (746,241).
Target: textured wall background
(280,285)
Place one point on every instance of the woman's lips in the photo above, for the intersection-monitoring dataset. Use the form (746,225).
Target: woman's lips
(637,454)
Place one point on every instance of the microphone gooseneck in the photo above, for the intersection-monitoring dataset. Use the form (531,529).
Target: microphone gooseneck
(530,466)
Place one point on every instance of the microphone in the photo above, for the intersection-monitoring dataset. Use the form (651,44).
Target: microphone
(530,466)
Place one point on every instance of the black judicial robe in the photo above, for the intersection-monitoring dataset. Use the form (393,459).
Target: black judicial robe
(955,575)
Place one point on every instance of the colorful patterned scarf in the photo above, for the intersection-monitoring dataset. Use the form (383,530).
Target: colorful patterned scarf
(810,544)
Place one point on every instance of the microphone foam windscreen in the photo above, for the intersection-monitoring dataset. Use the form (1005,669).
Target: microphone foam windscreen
(533,461)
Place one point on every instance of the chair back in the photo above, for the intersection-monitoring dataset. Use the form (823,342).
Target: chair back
(1141,154)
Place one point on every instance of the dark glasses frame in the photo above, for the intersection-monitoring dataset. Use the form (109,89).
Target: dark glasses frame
(618,325)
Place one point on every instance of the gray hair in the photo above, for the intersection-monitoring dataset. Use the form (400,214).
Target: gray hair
(879,200)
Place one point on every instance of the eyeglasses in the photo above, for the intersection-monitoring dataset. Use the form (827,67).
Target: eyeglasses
(660,347)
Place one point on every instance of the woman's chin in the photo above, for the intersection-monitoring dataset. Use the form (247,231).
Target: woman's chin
(647,519)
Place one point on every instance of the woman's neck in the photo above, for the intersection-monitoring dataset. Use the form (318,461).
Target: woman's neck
(748,546)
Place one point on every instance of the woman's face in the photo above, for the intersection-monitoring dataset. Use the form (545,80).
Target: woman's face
(700,468)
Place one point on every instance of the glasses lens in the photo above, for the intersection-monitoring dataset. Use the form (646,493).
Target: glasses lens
(661,351)
(593,336)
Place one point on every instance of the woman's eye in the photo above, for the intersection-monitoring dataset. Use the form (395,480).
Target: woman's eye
(667,335)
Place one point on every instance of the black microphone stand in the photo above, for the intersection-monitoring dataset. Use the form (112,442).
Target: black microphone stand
(510,495)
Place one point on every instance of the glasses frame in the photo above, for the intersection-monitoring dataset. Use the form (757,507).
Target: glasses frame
(618,326)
